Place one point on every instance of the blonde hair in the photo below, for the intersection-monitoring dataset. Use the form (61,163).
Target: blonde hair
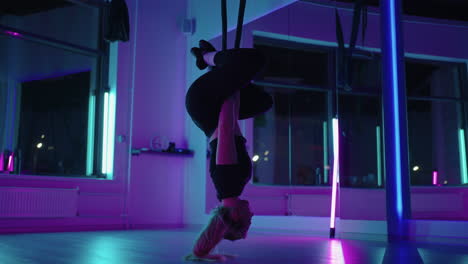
(230,223)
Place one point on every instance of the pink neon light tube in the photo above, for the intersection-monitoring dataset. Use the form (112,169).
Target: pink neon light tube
(336,170)
(434,177)
(10,163)
(1,162)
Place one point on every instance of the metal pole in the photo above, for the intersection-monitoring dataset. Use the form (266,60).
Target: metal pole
(395,121)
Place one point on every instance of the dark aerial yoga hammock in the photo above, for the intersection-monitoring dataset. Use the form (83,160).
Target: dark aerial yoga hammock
(233,71)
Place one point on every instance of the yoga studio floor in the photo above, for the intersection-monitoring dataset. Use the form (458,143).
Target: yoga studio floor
(170,246)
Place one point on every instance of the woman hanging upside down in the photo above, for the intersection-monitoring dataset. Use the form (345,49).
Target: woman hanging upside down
(215,102)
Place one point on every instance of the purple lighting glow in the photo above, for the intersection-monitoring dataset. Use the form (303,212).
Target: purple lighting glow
(14,34)
(434,177)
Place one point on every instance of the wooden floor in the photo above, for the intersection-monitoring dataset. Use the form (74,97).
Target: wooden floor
(170,246)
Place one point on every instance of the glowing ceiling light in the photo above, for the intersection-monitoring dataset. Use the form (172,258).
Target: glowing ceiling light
(39,145)
(416,168)
(266,153)
(255,158)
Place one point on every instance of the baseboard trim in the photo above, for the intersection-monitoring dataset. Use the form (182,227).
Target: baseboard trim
(53,229)
(155,226)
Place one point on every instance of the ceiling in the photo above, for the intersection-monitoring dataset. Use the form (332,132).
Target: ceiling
(27,7)
(441,9)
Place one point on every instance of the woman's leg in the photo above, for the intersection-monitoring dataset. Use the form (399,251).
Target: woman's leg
(226,150)
(233,71)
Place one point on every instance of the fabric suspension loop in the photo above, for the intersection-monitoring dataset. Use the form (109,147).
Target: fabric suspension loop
(224,20)
(240,22)
(345,55)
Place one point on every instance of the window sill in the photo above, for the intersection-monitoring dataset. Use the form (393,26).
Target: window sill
(49,178)
(176,152)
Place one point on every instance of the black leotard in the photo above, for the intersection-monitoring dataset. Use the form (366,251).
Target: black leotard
(230,180)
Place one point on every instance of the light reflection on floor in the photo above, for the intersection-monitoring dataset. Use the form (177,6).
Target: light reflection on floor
(335,252)
(170,246)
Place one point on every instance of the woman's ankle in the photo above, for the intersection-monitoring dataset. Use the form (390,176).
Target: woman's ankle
(209,58)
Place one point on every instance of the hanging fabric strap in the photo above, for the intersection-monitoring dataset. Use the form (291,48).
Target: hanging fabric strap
(364,22)
(340,52)
(240,22)
(356,21)
(224,21)
(345,55)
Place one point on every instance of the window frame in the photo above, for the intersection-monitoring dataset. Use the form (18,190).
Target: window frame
(101,87)
(463,64)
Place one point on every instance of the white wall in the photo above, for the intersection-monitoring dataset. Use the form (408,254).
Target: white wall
(158,105)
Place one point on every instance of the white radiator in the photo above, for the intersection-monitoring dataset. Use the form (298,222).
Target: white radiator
(309,204)
(437,202)
(19,202)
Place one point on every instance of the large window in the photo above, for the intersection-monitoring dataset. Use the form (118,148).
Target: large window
(360,141)
(436,123)
(289,139)
(55,102)
(293,140)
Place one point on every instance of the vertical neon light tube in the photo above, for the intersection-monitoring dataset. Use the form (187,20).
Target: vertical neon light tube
(111,134)
(462,152)
(105,133)
(325,153)
(336,175)
(290,141)
(90,145)
(108,134)
(396,109)
(10,163)
(379,157)
(2,161)
(109,115)
(434,177)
